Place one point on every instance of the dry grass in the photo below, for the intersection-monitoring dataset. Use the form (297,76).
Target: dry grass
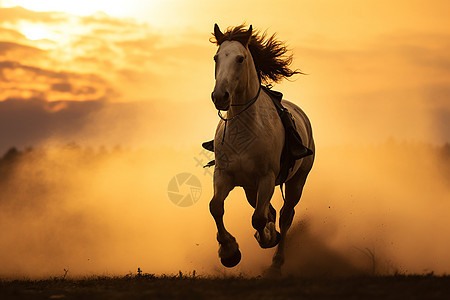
(192,286)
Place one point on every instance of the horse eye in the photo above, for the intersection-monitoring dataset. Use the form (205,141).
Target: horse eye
(215,58)
(240,59)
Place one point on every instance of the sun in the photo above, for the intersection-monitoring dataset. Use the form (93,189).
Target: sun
(153,12)
(80,7)
(37,32)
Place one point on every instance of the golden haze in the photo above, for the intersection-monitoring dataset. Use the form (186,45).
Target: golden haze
(140,77)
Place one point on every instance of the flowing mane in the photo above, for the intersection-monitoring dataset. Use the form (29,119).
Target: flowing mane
(269,55)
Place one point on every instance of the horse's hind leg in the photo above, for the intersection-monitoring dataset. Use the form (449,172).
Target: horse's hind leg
(263,219)
(229,252)
(294,189)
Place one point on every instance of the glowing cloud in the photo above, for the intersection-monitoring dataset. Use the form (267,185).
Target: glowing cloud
(37,32)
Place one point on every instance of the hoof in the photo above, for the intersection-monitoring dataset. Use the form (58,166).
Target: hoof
(277,240)
(231,261)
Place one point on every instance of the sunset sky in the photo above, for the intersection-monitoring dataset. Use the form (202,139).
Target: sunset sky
(376,69)
(139,75)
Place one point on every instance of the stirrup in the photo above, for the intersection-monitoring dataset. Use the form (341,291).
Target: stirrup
(210,164)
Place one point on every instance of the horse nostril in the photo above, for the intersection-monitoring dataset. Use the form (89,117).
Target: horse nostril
(212,97)
(226,96)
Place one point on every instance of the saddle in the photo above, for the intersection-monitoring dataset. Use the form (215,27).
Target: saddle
(293,148)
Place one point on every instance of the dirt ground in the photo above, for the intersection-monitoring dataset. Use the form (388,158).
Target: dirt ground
(191,287)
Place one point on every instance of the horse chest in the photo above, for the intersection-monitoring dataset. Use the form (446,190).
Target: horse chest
(250,146)
(245,160)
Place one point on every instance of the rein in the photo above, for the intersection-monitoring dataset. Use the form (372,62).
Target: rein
(250,103)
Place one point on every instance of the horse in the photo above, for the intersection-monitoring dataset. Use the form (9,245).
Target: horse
(249,141)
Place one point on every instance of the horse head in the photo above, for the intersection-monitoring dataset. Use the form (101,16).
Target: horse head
(234,68)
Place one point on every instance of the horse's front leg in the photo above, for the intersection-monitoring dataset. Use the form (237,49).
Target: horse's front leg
(229,252)
(266,235)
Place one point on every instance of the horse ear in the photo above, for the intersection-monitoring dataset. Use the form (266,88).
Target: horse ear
(247,36)
(218,34)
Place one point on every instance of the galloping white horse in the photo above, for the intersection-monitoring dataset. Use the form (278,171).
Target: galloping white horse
(248,144)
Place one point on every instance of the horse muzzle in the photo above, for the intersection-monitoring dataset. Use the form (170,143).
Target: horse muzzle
(221,100)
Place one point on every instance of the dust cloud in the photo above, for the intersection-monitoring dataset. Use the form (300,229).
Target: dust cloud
(377,209)
(380,209)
